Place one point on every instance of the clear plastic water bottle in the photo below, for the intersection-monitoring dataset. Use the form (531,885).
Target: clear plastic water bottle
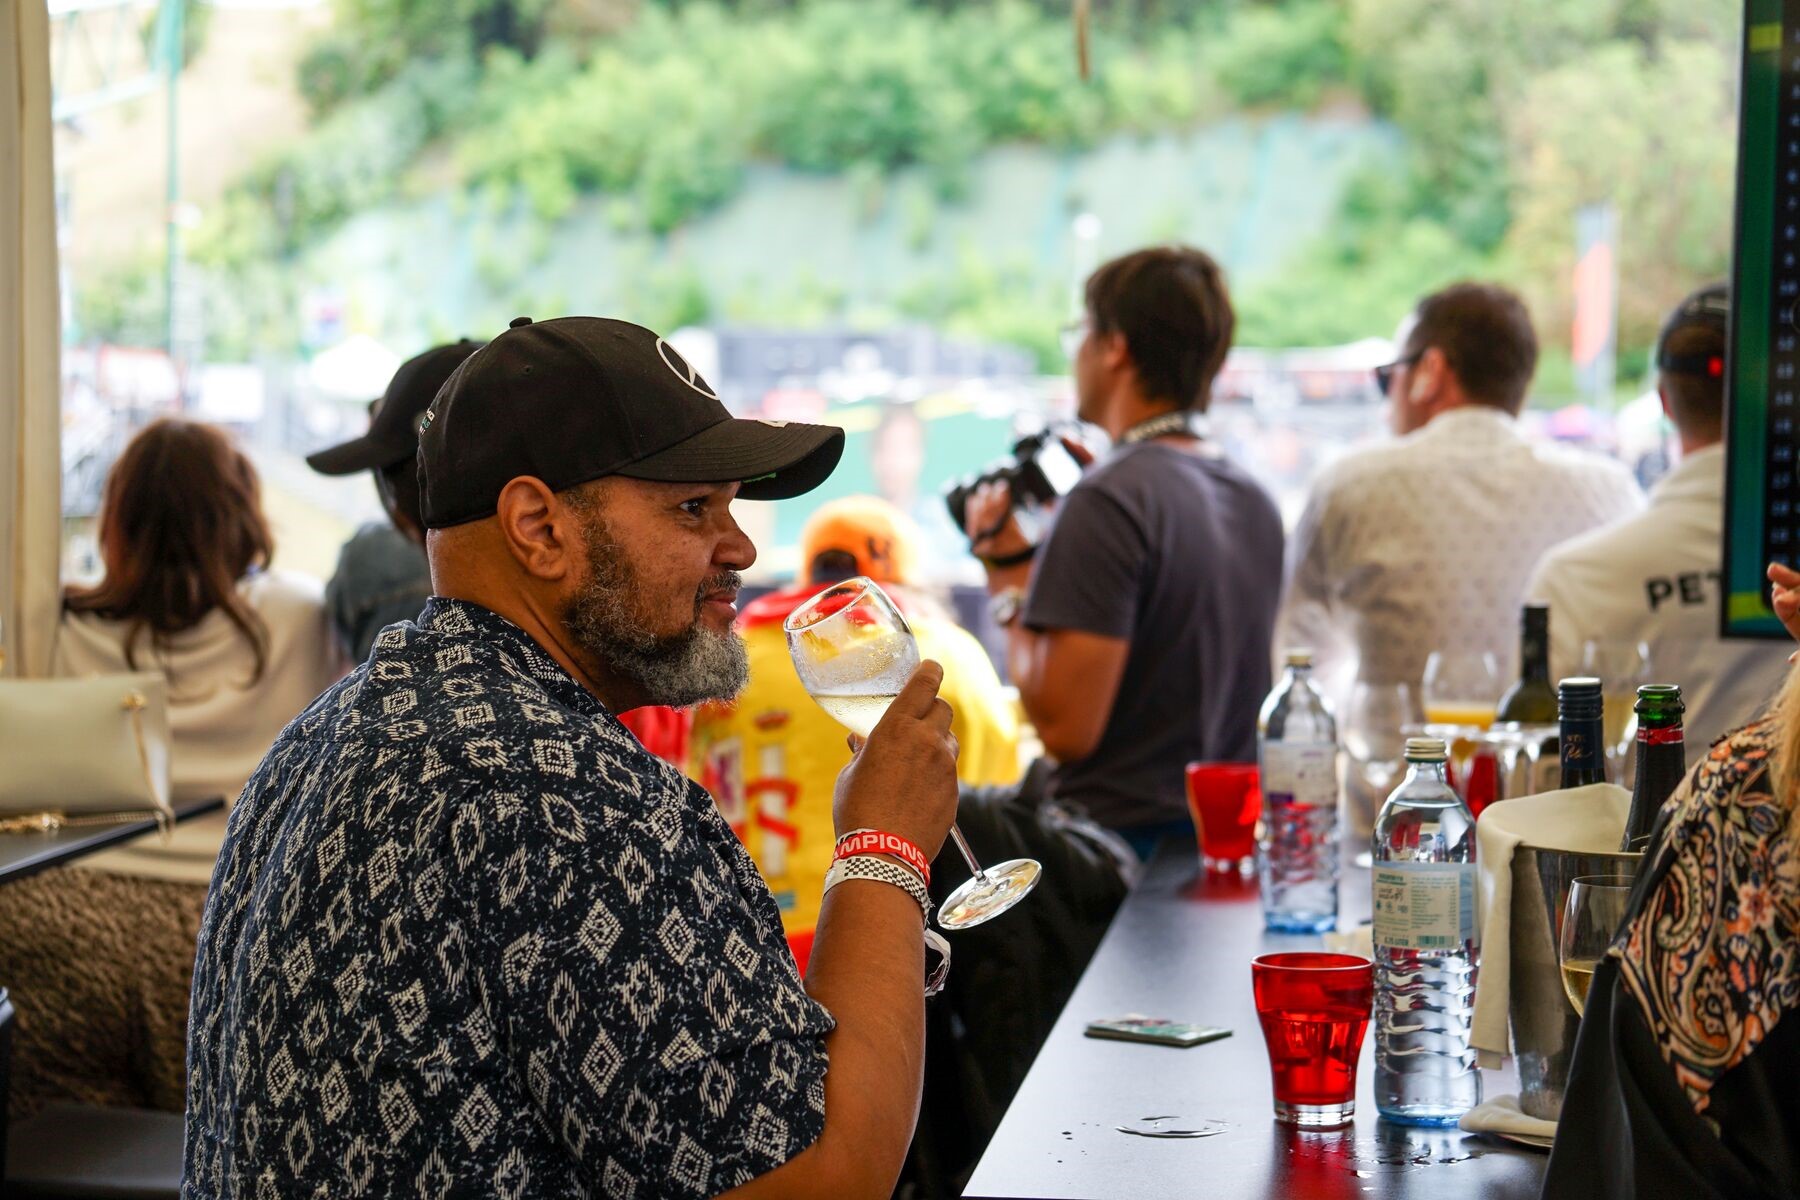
(1425,947)
(1298,863)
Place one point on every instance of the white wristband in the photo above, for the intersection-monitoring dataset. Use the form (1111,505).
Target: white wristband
(867,866)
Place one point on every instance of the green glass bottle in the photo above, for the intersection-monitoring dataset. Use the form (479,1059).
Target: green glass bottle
(1531,700)
(1581,715)
(1661,759)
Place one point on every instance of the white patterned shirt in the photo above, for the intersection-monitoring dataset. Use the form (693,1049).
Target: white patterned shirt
(1426,542)
(468,938)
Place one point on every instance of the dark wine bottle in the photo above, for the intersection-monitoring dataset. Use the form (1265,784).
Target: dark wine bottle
(1581,716)
(1531,700)
(1661,759)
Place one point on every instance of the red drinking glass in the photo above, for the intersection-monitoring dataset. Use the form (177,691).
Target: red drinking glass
(1314,1010)
(1225,802)
(1484,780)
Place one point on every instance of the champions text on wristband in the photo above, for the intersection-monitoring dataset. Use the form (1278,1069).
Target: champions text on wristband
(875,841)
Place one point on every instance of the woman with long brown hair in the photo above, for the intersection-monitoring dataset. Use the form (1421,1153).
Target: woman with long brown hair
(99,957)
(1683,1079)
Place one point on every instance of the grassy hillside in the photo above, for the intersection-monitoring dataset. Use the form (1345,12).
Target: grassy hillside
(800,247)
(794,160)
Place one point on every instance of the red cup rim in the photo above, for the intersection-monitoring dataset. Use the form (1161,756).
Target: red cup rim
(1221,766)
(1313,962)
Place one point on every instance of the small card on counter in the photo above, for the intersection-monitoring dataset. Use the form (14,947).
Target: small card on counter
(1155,1030)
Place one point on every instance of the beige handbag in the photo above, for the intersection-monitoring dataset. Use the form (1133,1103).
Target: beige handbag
(84,751)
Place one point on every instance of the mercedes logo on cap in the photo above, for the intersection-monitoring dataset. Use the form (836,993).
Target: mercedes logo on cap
(672,359)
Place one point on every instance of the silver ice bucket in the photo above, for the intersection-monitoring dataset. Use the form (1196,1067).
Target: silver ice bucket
(1543,1020)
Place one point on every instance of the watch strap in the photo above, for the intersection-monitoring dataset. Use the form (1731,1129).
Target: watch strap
(1016,559)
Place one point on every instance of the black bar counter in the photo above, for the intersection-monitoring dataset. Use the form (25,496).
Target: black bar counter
(1180,948)
(23,854)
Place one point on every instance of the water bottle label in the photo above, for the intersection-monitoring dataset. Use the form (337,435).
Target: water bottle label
(1304,775)
(1424,906)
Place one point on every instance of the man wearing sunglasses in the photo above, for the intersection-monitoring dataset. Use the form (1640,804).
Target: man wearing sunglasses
(1426,542)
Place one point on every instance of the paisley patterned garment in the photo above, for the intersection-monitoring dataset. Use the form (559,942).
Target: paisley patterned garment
(1710,955)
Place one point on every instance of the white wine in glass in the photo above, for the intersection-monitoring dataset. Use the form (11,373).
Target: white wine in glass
(1577,978)
(854,652)
(1591,918)
(860,713)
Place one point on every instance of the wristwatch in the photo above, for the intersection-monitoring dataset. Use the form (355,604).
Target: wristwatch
(1005,606)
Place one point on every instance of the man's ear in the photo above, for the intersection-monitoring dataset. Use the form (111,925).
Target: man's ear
(538,528)
(1115,352)
(1427,376)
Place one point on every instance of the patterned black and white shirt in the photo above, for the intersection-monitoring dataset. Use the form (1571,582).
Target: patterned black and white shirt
(467,938)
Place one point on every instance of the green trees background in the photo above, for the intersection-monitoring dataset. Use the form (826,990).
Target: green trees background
(1512,116)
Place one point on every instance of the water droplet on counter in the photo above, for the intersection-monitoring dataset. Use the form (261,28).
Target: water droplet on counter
(1159,1127)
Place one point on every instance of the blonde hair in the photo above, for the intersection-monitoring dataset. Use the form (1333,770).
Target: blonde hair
(1785,716)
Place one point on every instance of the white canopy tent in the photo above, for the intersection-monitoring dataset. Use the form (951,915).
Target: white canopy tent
(30,337)
(357,368)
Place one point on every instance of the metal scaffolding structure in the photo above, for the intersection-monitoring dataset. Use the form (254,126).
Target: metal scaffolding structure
(105,52)
(99,55)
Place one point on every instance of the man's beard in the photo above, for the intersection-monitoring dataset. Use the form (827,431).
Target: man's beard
(677,670)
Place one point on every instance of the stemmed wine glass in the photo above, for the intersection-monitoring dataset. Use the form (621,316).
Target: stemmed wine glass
(854,652)
(1375,724)
(1591,919)
(1462,687)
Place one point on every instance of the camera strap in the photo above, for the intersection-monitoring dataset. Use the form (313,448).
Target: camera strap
(1182,421)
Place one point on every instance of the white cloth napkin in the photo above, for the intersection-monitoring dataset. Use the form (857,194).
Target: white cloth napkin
(1502,1114)
(1590,820)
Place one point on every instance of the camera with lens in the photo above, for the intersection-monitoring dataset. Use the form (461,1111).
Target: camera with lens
(1040,471)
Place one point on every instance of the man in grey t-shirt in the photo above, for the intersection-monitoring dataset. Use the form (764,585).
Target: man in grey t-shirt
(1139,632)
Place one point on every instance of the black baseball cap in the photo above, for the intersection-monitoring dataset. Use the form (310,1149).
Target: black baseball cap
(577,398)
(393,435)
(1709,309)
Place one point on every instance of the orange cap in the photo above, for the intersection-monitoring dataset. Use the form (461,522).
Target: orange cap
(883,540)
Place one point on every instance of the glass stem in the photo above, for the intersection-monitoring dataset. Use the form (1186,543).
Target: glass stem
(962,847)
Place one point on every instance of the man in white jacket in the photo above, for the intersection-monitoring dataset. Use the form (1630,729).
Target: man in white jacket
(1654,577)
(1425,542)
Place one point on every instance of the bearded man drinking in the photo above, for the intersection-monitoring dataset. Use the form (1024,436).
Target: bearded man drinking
(466,937)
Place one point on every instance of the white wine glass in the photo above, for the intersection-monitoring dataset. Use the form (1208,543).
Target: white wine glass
(1375,724)
(854,652)
(1591,918)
